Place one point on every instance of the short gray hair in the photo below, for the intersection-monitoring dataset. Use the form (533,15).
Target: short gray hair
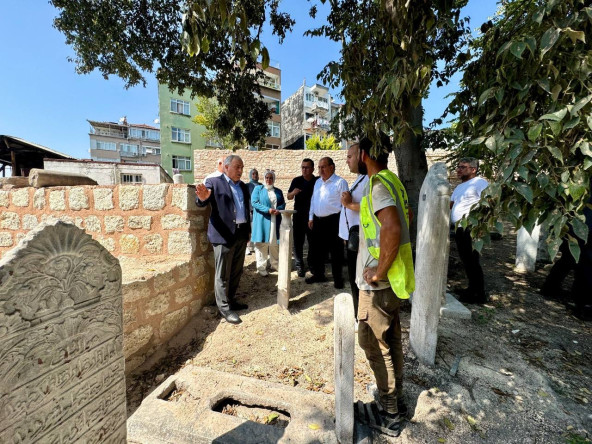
(230,158)
(473,163)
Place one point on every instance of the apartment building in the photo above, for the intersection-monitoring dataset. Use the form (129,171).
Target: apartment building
(124,142)
(180,136)
(307,112)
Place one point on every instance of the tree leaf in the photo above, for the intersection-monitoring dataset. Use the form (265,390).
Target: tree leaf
(575,35)
(580,228)
(574,247)
(580,104)
(517,49)
(314,426)
(548,39)
(525,190)
(557,116)
(485,95)
(534,132)
(264,58)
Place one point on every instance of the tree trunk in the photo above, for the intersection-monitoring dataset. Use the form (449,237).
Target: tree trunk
(412,165)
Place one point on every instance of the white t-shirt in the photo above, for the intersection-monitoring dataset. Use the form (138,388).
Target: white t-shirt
(349,217)
(465,196)
(326,196)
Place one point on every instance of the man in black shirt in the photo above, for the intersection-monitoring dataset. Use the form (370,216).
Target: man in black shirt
(301,190)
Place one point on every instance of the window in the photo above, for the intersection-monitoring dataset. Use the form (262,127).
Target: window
(310,97)
(270,146)
(153,150)
(129,149)
(308,136)
(181,135)
(182,163)
(137,133)
(131,178)
(179,106)
(102,145)
(274,129)
(275,106)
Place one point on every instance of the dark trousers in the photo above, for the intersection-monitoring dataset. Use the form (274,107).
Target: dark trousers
(352,258)
(301,232)
(470,260)
(325,238)
(229,268)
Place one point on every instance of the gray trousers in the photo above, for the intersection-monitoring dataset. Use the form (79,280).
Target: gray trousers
(229,269)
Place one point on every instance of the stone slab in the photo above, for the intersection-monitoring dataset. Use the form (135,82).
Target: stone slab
(454,309)
(188,415)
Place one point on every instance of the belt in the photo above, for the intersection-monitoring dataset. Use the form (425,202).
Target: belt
(241,225)
(329,215)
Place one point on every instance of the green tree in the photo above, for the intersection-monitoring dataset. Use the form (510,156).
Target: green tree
(525,110)
(208,112)
(318,143)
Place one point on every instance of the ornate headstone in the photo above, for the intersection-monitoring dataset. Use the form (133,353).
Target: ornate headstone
(344,345)
(61,359)
(285,259)
(526,249)
(431,264)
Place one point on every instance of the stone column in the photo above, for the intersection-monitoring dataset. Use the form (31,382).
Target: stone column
(526,249)
(344,347)
(61,333)
(431,262)
(178,178)
(285,259)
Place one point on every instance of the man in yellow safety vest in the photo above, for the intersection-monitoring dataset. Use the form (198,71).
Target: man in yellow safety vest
(384,275)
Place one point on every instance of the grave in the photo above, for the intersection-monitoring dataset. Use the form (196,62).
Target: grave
(61,359)
(344,346)
(200,405)
(285,259)
(527,245)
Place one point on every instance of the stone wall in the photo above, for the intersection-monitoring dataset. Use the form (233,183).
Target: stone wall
(286,164)
(157,233)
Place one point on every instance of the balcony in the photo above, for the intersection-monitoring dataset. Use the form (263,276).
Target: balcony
(107,133)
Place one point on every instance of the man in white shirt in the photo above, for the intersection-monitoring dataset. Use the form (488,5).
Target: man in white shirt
(219,169)
(349,221)
(323,220)
(463,198)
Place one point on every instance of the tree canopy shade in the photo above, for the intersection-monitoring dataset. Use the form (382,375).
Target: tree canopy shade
(208,112)
(317,143)
(525,110)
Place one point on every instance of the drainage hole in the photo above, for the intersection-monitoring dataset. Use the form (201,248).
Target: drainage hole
(256,413)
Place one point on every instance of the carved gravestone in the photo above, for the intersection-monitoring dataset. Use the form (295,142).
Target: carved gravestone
(61,359)
(344,346)
(527,245)
(431,264)
(285,259)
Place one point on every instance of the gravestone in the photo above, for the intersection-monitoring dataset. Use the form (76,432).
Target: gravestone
(431,262)
(285,259)
(344,345)
(61,358)
(526,249)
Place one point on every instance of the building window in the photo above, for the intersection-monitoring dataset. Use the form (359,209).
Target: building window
(101,145)
(274,129)
(307,136)
(182,163)
(131,178)
(310,97)
(137,133)
(275,106)
(271,146)
(181,135)
(129,149)
(153,150)
(179,106)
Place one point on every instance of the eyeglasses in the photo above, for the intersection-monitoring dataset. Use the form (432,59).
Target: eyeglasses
(306,167)
(463,167)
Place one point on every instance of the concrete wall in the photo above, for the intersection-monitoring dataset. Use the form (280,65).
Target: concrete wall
(108,173)
(293,120)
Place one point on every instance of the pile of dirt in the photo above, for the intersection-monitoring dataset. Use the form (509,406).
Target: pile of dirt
(524,371)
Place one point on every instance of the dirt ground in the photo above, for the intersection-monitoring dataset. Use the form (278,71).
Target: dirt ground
(525,362)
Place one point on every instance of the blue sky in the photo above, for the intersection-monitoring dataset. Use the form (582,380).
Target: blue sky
(43,100)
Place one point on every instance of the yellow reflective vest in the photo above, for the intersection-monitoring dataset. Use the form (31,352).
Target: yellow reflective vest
(400,275)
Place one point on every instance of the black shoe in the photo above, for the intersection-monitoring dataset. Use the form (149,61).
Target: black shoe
(314,279)
(301,272)
(339,285)
(467,296)
(231,317)
(237,306)
(402,408)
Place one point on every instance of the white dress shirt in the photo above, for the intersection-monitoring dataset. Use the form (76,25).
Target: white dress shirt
(350,218)
(326,196)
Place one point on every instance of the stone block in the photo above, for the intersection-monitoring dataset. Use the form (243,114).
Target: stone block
(163,281)
(173,322)
(134,291)
(204,243)
(129,197)
(4,198)
(133,363)
(103,198)
(454,309)
(153,243)
(173,221)
(183,294)
(200,265)
(62,374)
(79,222)
(29,221)
(77,199)
(183,271)
(92,224)
(136,340)
(130,316)
(158,304)
(39,199)
(20,197)
(129,244)
(6,240)
(201,284)
(57,200)
(19,237)
(181,242)
(180,198)
(154,196)
(10,220)
(195,306)
(139,222)
(107,242)
(113,224)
